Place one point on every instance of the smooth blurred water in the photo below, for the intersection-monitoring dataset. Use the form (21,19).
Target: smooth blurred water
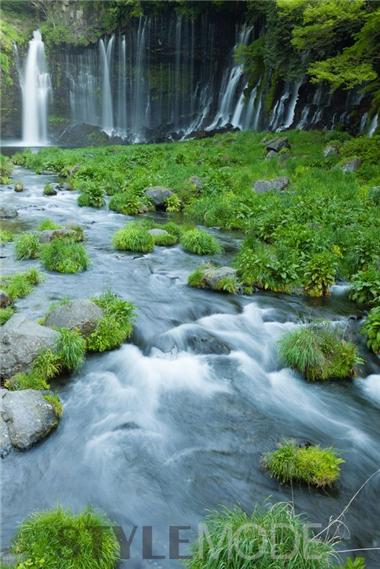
(169,425)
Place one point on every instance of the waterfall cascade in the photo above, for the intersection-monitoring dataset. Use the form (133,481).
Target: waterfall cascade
(36,87)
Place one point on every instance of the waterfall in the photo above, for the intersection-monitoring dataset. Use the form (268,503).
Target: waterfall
(36,87)
(292,106)
(363,123)
(139,92)
(373,125)
(279,108)
(122,90)
(107,102)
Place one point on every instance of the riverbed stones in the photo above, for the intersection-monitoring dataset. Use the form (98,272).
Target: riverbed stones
(49,190)
(213,277)
(351,165)
(277,184)
(49,234)
(8,212)
(277,144)
(27,415)
(196,183)
(5,300)
(158,195)
(21,340)
(19,187)
(81,314)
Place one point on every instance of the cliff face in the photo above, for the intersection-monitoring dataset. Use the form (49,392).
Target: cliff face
(165,74)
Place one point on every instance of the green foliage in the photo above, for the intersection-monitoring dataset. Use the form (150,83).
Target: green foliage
(200,242)
(319,352)
(129,203)
(366,287)
(64,256)
(310,464)
(27,246)
(46,365)
(70,349)
(56,403)
(173,204)
(46,224)
(6,167)
(5,236)
(371,329)
(92,195)
(5,314)
(20,284)
(234,539)
(196,277)
(26,381)
(133,237)
(357,563)
(64,540)
(116,325)
(173,229)
(165,240)
(48,190)
(319,273)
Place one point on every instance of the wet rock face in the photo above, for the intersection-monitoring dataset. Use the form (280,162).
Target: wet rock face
(277,184)
(158,195)
(26,418)
(81,314)
(193,339)
(214,276)
(21,341)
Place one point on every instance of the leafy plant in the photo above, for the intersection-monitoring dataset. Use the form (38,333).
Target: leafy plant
(115,327)
(200,242)
(64,256)
(319,273)
(86,540)
(27,246)
(319,352)
(366,287)
(173,204)
(310,464)
(371,329)
(92,195)
(133,237)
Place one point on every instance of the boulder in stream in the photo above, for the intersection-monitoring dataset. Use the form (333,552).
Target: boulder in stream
(48,235)
(5,300)
(28,417)
(21,340)
(190,338)
(81,314)
(8,212)
(158,195)
(19,187)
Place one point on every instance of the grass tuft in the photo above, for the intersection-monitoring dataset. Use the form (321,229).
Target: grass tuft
(27,246)
(200,242)
(64,256)
(115,327)
(133,237)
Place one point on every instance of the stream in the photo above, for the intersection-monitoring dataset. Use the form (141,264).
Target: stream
(175,422)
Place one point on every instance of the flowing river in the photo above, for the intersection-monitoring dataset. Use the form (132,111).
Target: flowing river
(176,421)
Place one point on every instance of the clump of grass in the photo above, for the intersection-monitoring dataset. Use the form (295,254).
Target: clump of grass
(319,352)
(20,285)
(165,240)
(27,246)
(70,349)
(310,464)
(133,237)
(115,327)
(64,256)
(46,224)
(86,540)
(5,314)
(49,190)
(5,236)
(200,243)
(371,329)
(173,229)
(234,539)
(56,403)
(26,381)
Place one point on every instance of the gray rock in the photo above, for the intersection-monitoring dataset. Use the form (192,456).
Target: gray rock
(158,195)
(213,276)
(330,150)
(278,184)
(277,144)
(19,187)
(271,154)
(158,232)
(21,341)
(28,416)
(49,234)
(352,165)
(5,300)
(81,314)
(8,212)
(50,192)
(5,441)
(196,182)
(192,338)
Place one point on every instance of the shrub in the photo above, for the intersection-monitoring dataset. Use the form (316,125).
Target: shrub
(234,539)
(27,246)
(319,352)
(5,314)
(134,238)
(115,327)
(71,349)
(366,287)
(92,195)
(55,401)
(86,540)
(200,243)
(64,256)
(165,240)
(173,204)
(20,284)
(319,273)
(128,203)
(5,236)
(310,464)
(6,168)
(371,329)
(47,224)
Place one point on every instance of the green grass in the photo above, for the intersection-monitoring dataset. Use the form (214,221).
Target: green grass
(5,236)
(366,287)
(27,246)
(47,224)
(165,240)
(85,540)
(115,327)
(20,285)
(133,237)
(71,349)
(371,329)
(64,256)
(200,242)
(5,314)
(274,538)
(319,352)
(55,401)
(26,381)
(309,464)
(48,190)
